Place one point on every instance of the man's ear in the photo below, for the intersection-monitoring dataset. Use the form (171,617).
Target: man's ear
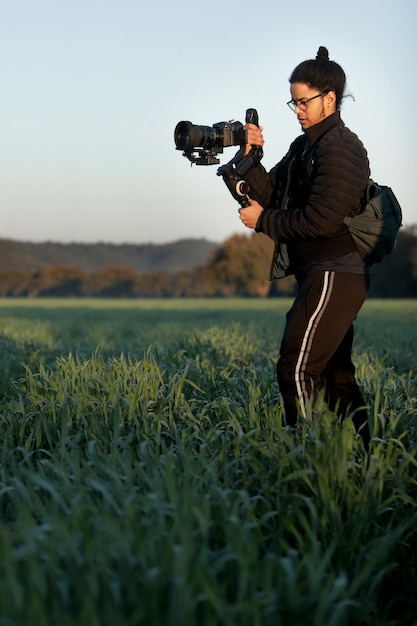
(330,99)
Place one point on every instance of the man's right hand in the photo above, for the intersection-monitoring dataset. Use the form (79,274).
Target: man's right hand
(255,137)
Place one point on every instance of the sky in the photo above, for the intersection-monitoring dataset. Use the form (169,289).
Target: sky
(91,92)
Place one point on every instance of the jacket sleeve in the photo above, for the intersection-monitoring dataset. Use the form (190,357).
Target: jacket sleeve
(263,185)
(268,188)
(339,177)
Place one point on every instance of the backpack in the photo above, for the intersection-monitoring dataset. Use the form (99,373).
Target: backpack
(374,230)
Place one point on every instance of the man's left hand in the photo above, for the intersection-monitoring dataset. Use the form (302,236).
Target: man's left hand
(250,215)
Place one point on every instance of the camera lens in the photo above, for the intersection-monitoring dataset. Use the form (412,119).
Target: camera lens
(189,136)
(182,135)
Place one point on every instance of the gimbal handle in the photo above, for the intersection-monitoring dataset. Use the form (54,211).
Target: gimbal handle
(256,153)
(234,171)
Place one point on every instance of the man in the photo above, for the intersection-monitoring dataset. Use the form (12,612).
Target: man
(301,204)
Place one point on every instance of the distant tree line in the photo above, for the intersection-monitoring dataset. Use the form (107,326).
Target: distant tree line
(171,257)
(238,267)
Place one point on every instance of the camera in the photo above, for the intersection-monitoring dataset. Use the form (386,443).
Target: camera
(202,144)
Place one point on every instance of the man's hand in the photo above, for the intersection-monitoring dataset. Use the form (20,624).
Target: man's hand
(250,214)
(255,137)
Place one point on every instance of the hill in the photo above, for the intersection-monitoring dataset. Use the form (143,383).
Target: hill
(171,257)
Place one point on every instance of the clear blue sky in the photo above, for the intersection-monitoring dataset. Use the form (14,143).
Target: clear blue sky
(91,91)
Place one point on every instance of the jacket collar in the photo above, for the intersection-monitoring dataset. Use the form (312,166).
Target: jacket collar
(315,132)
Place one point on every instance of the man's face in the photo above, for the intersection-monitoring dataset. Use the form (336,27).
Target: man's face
(314,111)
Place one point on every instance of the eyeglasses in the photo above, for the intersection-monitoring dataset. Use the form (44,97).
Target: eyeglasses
(302,104)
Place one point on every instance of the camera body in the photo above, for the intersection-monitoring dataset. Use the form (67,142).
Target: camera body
(202,144)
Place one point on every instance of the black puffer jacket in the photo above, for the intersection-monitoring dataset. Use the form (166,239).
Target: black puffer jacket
(307,195)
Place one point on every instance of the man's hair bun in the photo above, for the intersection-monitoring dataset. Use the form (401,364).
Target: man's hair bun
(322,54)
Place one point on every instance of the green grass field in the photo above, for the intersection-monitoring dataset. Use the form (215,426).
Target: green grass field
(146,478)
